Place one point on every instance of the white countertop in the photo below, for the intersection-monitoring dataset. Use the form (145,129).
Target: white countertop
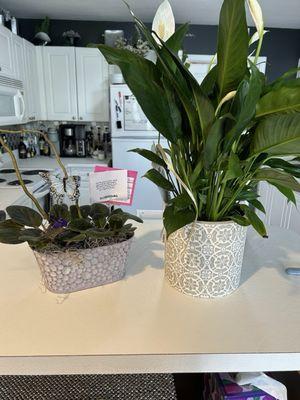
(9,196)
(141,324)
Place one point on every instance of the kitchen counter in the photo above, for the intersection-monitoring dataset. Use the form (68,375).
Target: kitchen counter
(9,196)
(141,324)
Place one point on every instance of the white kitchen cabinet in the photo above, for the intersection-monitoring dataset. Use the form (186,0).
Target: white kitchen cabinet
(76,84)
(19,56)
(60,83)
(7,59)
(32,103)
(278,211)
(92,85)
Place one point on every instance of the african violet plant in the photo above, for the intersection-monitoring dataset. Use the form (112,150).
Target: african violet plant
(225,135)
(64,227)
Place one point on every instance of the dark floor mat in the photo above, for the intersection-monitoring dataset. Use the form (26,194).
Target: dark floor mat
(88,387)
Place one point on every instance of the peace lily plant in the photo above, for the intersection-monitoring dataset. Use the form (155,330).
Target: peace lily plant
(226,134)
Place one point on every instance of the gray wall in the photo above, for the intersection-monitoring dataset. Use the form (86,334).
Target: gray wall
(281,46)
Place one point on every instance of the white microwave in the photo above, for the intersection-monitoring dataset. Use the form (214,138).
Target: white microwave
(12,105)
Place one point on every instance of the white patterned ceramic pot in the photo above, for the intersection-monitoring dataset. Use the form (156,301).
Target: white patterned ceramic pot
(204,259)
(73,270)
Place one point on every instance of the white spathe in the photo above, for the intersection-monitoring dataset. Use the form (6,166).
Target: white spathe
(257,16)
(164,22)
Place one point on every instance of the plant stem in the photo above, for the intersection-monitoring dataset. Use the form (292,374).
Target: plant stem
(260,42)
(19,176)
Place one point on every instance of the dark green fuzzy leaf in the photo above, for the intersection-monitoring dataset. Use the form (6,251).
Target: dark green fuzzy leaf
(31,235)
(74,213)
(159,180)
(9,232)
(85,211)
(60,211)
(98,233)
(99,209)
(24,216)
(79,225)
(150,155)
(232,46)
(71,237)
(116,221)
(132,217)
(255,221)
(99,220)
(2,216)
(175,220)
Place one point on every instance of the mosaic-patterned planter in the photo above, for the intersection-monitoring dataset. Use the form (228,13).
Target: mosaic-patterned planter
(73,270)
(204,259)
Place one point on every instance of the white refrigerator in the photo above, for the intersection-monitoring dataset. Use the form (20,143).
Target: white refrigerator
(130,129)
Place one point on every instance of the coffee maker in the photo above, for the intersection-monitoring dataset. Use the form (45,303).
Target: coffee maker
(80,140)
(67,141)
(73,140)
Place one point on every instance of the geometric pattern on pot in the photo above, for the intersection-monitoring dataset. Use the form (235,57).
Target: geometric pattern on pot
(72,270)
(204,259)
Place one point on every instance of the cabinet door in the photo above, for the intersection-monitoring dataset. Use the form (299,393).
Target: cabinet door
(60,83)
(18,48)
(7,65)
(31,82)
(92,85)
(278,211)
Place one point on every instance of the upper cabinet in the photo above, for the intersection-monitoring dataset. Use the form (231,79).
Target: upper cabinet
(32,102)
(60,83)
(7,62)
(76,84)
(92,85)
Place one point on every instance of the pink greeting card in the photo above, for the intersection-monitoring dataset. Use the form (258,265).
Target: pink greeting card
(131,176)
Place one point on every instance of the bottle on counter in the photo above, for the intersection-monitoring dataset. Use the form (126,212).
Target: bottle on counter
(22,149)
(46,150)
(41,145)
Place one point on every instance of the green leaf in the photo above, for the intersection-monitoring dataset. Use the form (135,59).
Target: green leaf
(74,212)
(79,225)
(277,135)
(116,221)
(72,237)
(257,204)
(182,201)
(58,211)
(24,216)
(143,79)
(98,233)
(151,156)
(175,42)
(9,232)
(255,221)
(132,217)
(239,219)
(2,216)
(158,179)
(284,99)
(285,165)
(234,169)
(174,220)
(31,235)
(85,211)
(209,82)
(99,209)
(288,193)
(278,177)
(232,46)
(212,145)
(99,220)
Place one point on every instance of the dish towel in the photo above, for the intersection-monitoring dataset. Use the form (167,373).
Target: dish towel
(263,382)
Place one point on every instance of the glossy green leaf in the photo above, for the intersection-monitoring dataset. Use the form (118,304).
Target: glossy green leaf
(24,216)
(277,135)
(239,219)
(156,177)
(174,220)
(288,193)
(182,201)
(257,204)
(278,177)
(175,42)
(288,167)
(255,221)
(233,42)
(212,145)
(285,99)
(234,169)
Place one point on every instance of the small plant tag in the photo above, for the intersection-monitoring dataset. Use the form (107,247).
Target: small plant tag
(108,185)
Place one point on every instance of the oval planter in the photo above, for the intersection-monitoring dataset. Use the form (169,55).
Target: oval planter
(204,259)
(72,270)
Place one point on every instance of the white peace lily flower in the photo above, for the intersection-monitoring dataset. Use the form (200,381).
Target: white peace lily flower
(226,98)
(164,22)
(257,15)
(255,37)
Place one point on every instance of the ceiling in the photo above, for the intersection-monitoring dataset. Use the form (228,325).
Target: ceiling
(277,13)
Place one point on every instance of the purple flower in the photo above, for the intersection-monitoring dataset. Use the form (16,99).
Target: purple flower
(59,223)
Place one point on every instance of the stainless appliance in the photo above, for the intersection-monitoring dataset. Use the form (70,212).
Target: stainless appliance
(12,106)
(80,141)
(67,141)
(130,129)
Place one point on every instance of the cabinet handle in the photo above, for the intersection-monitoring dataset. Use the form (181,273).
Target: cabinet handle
(0,68)
(81,118)
(74,118)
